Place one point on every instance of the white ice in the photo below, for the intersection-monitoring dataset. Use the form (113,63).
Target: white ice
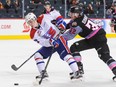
(97,73)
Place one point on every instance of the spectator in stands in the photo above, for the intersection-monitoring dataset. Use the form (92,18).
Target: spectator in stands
(63,1)
(109,12)
(101,1)
(1,6)
(8,5)
(97,3)
(109,3)
(36,1)
(16,5)
(68,4)
(113,18)
(74,2)
(89,9)
(35,4)
(55,1)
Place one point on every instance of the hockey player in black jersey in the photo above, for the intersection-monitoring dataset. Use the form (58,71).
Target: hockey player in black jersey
(94,37)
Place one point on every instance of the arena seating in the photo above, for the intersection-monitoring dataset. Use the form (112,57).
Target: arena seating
(38,8)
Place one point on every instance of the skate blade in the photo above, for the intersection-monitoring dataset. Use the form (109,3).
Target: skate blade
(114,78)
(77,79)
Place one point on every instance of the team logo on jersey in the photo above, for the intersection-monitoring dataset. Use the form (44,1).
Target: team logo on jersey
(74,24)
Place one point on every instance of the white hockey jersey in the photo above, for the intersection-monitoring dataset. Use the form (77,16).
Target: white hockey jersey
(58,18)
(46,31)
(55,14)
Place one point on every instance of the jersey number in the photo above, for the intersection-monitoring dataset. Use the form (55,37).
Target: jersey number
(91,25)
(72,30)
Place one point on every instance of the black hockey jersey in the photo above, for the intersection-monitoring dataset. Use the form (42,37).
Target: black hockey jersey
(88,27)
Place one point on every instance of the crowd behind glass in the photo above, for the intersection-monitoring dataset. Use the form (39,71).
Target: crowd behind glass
(92,8)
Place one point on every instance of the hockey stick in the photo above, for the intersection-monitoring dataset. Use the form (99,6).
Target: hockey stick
(48,60)
(46,66)
(15,68)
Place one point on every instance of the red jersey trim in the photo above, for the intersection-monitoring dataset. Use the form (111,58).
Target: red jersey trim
(32,33)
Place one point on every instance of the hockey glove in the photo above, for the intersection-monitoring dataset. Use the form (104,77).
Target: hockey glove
(53,22)
(54,42)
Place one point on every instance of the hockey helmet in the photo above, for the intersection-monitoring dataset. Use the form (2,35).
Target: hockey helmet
(75,9)
(47,3)
(114,3)
(30,16)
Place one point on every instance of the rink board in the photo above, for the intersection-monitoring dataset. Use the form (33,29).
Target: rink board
(27,37)
(13,29)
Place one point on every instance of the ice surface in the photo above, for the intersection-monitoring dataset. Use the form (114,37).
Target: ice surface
(97,74)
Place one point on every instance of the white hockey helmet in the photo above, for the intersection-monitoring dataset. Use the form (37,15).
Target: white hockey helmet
(30,16)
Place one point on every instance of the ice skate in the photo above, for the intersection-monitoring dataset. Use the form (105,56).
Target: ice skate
(114,78)
(75,75)
(38,78)
(80,66)
(41,73)
(81,71)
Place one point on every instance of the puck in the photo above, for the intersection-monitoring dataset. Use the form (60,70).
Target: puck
(16,84)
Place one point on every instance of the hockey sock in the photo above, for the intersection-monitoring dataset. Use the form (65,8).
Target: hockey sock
(39,61)
(112,65)
(72,63)
(40,64)
(77,58)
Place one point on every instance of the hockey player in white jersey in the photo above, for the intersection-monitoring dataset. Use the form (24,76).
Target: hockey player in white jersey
(45,33)
(57,17)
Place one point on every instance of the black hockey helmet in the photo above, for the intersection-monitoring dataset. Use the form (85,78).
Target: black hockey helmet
(75,9)
(114,3)
(47,3)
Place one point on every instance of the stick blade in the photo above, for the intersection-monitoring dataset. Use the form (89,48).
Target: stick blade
(14,67)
